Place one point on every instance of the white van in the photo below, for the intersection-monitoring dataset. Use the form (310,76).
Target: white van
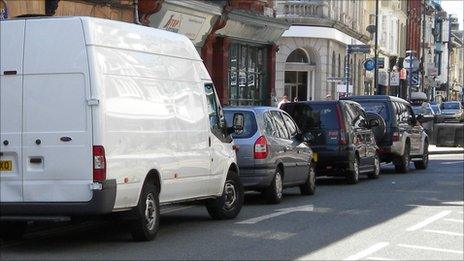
(99,116)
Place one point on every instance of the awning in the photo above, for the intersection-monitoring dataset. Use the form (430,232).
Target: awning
(329,33)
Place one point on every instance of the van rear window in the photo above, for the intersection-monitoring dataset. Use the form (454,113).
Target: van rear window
(250,127)
(314,116)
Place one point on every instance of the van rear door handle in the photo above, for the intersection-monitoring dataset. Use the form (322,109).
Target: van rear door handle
(35,160)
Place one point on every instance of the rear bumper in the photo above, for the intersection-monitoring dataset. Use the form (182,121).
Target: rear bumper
(334,162)
(257,177)
(102,202)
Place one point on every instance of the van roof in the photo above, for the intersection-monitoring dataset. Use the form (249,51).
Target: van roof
(129,36)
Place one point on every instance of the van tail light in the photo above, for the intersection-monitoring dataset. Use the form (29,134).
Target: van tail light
(261,148)
(341,123)
(396,136)
(99,163)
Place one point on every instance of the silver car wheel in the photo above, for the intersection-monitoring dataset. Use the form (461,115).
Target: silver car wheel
(278,185)
(230,195)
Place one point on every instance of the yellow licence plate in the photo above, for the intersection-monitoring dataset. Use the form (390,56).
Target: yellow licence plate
(315,157)
(6,165)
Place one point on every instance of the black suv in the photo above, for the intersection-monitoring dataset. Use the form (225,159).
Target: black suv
(404,137)
(342,143)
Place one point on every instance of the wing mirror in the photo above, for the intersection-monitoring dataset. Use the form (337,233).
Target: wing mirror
(238,123)
(305,137)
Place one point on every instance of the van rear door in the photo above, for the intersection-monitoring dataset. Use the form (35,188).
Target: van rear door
(57,137)
(11,71)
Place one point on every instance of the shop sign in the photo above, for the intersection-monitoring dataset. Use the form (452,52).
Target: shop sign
(394,79)
(181,23)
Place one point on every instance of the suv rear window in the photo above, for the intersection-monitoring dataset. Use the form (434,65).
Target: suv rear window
(314,116)
(377,107)
(250,127)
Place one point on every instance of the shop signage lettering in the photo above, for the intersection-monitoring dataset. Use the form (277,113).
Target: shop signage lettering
(181,23)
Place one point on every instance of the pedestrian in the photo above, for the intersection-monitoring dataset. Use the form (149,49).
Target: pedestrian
(328,97)
(284,100)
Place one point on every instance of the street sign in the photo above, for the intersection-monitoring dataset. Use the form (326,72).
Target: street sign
(414,78)
(369,64)
(341,88)
(411,64)
(394,79)
(335,79)
(359,48)
(380,62)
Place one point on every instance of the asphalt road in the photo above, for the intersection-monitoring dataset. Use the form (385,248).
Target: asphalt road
(399,216)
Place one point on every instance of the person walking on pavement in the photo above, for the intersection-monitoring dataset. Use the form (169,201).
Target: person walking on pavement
(284,100)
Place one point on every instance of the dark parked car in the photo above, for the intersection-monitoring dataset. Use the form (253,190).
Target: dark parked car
(272,152)
(343,142)
(404,137)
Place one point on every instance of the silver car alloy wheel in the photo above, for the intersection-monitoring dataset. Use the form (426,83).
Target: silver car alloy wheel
(150,211)
(376,166)
(356,169)
(278,185)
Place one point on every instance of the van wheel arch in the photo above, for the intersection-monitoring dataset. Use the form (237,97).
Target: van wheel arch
(153,177)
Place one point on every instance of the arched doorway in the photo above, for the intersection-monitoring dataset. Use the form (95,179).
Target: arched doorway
(299,76)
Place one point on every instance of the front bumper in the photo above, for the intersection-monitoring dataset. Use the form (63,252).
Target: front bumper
(102,202)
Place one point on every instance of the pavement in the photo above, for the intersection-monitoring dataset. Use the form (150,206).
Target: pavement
(433,149)
(418,215)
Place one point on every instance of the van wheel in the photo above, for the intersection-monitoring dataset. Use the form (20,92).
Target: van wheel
(274,193)
(230,203)
(402,165)
(146,223)
(309,188)
(424,162)
(376,173)
(11,230)
(353,176)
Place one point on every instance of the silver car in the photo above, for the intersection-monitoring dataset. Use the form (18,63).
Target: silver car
(272,153)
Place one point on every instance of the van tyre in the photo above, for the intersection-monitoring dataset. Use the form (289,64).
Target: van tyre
(274,193)
(353,175)
(12,230)
(376,173)
(230,203)
(402,164)
(309,188)
(147,214)
(424,162)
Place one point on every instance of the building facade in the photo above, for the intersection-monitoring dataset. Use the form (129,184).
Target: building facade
(236,38)
(314,47)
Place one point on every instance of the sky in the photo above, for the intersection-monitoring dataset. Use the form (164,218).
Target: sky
(455,7)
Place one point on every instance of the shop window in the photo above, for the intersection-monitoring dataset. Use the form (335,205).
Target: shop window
(247,75)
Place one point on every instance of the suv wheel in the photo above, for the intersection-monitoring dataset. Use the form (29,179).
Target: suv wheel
(402,165)
(147,213)
(376,173)
(274,193)
(353,176)
(230,203)
(309,188)
(424,162)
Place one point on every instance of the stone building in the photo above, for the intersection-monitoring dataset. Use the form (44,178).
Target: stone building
(314,47)
(236,38)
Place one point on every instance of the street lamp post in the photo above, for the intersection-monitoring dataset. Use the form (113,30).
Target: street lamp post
(376,54)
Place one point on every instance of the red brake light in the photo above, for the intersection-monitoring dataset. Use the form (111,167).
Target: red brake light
(260,148)
(99,163)
(341,123)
